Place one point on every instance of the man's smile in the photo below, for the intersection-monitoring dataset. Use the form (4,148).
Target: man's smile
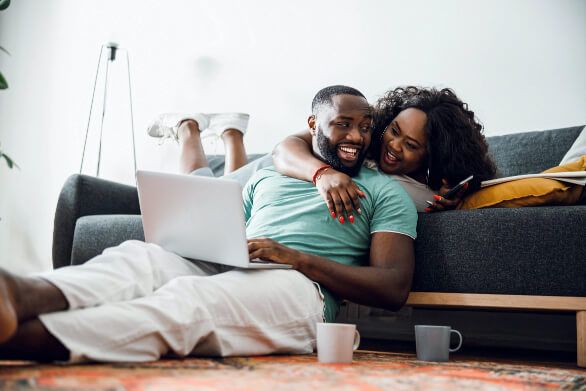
(349,152)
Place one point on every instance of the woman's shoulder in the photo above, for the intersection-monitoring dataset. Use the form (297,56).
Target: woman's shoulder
(419,192)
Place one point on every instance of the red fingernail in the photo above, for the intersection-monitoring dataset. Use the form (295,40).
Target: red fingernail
(427,209)
(351,219)
(437,197)
(341,219)
(333,215)
(362,194)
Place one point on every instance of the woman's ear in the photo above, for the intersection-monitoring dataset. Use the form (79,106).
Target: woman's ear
(312,124)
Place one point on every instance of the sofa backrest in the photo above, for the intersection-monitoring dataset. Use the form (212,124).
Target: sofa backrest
(514,154)
(531,152)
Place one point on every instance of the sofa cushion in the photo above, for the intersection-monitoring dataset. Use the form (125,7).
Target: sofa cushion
(93,234)
(525,251)
(512,251)
(529,192)
(531,152)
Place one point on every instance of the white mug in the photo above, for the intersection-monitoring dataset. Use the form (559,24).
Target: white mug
(336,342)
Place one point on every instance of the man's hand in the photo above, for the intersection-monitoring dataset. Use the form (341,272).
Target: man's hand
(384,283)
(340,193)
(269,250)
(441,203)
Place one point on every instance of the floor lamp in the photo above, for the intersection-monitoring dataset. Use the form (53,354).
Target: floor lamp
(112,50)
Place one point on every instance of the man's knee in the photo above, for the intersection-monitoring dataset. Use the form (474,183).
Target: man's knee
(133,247)
(183,284)
(134,253)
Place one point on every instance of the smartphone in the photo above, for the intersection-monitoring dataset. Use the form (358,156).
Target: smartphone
(457,188)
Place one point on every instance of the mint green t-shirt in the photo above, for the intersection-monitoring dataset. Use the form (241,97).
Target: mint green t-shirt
(293,213)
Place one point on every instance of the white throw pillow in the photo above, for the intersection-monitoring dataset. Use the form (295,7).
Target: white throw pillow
(577,149)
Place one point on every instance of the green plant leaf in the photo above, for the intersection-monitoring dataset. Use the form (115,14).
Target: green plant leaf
(9,161)
(4,4)
(3,82)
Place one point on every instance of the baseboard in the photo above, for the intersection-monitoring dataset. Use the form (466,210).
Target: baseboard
(480,328)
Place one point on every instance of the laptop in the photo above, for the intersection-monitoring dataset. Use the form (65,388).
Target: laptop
(196,217)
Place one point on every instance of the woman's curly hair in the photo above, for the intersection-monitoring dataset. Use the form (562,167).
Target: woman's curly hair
(456,147)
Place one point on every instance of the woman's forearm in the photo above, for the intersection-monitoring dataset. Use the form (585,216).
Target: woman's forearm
(293,157)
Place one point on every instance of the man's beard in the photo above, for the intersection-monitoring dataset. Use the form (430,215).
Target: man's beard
(330,154)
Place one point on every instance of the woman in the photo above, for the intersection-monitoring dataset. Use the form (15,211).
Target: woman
(425,138)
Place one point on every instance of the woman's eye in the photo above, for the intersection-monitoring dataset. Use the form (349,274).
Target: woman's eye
(411,146)
(343,124)
(394,131)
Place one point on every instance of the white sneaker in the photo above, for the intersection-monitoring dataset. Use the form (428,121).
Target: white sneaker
(165,125)
(220,122)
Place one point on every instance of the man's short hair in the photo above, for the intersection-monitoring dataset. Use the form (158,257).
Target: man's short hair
(325,95)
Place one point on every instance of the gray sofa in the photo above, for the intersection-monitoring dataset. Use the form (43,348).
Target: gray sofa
(533,251)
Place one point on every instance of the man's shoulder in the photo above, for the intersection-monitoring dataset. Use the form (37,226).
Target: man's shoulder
(265,172)
(269,176)
(371,178)
(392,208)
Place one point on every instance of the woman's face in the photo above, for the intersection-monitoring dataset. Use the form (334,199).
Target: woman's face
(404,145)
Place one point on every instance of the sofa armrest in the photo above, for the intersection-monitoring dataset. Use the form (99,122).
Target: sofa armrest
(94,234)
(83,196)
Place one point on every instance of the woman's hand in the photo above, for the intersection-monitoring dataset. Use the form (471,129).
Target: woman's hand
(269,250)
(441,203)
(340,193)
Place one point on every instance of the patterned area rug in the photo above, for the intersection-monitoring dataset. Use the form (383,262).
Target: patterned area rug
(369,371)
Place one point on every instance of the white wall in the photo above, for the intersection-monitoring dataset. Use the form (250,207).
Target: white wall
(519,64)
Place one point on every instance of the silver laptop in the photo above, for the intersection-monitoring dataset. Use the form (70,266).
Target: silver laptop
(196,217)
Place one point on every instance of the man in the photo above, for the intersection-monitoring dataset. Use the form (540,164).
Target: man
(137,301)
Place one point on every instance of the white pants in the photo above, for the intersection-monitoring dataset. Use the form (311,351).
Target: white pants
(136,302)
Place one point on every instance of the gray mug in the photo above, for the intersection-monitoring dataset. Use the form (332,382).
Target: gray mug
(433,342)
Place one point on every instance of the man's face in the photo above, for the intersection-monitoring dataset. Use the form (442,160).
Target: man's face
(341,133)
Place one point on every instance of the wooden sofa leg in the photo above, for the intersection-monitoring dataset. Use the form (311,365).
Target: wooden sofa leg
(581,337)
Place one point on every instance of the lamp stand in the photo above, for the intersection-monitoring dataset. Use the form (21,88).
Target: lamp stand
(113,50)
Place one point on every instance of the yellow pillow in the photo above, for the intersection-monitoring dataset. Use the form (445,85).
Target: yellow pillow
(529,192)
